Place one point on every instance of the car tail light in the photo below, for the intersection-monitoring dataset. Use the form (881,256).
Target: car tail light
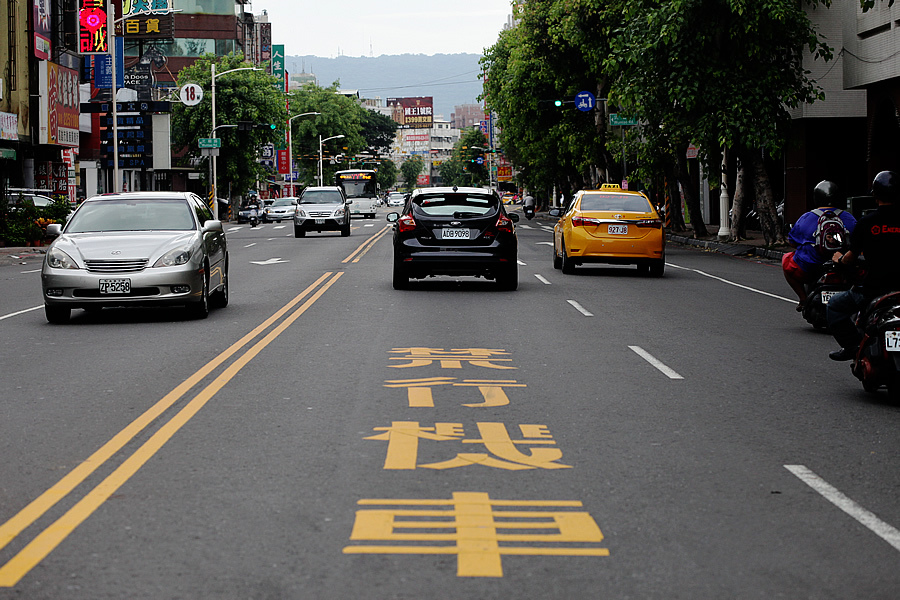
(655,223)
(579,221)
(406,223)
(504,224)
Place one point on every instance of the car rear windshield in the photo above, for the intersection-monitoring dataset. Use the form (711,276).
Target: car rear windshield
(624,202)
(322,197)
(132,215)
(457,206)
(283,203)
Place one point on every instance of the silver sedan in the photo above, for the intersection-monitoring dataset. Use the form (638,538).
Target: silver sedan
(137,248)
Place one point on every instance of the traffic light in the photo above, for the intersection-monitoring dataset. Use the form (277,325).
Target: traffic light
(248,125)
(245,125)
(557,103)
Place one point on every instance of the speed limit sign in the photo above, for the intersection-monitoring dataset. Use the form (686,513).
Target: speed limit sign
(191,94)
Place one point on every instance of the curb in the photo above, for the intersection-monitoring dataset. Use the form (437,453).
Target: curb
(725,248)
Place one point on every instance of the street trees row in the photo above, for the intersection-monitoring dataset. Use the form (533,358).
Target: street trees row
(256,96)
(718,74)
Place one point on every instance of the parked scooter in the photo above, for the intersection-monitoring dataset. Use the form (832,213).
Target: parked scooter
(877,361)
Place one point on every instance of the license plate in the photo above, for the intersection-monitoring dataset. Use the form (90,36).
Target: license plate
(454,234)
(826,296)
(115,286)
(618,229)
(892,341)
(320,221)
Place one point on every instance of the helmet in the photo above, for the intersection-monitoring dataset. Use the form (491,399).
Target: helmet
(826,193)
(886,186)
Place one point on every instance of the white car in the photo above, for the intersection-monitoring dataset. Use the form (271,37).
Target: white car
(280,210)
(396,199)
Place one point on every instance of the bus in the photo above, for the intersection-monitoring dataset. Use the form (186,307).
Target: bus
(360,186)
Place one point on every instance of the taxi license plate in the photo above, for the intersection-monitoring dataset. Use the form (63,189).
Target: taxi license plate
(115,286)
(454,234)
(892,341)
(618,230)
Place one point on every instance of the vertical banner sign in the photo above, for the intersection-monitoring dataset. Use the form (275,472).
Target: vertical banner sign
(63,105)
(283,167)
(278,64)
(42,29)
(265,42)
(92,36)
(103,67)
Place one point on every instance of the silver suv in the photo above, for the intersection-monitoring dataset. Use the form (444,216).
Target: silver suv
(321,209)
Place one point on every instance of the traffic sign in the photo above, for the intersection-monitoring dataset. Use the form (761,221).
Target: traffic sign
(615,119)
(191,94)
(210,142)
(585,101)
(480,160)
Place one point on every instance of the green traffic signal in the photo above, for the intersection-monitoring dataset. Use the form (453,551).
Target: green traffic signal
(557,102)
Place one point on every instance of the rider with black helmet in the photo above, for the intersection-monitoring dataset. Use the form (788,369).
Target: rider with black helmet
(877,238)
(803,266)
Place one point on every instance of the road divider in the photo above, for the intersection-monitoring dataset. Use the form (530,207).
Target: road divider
(366,246)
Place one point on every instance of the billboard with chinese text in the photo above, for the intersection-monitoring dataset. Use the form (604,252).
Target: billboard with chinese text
(412,113)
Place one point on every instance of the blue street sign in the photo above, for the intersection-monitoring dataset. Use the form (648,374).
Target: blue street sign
(480,160)
(585,101)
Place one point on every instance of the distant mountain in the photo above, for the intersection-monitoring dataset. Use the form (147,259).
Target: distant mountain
(451,79)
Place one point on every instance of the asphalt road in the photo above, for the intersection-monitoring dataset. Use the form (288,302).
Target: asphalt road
(600,434)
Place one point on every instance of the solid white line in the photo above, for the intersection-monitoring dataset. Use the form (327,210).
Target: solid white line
(792,301)
(31,271)
(580,308)
(653,361)
(21,312)
(542,279)
(833,495)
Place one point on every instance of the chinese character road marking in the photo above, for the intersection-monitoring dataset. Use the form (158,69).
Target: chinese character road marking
(419,392)
(403,446)
(473,523)
(422,357)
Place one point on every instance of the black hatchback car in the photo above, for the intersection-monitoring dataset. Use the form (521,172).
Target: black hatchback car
(455,231)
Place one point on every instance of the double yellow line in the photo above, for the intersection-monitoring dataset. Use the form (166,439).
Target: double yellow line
(366,246)
(48,539)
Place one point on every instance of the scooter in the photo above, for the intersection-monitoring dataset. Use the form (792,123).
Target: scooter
(254,217)
(833,280)
(877,361)
(529,211)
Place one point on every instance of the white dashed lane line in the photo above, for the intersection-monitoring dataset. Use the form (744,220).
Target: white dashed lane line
(656,363)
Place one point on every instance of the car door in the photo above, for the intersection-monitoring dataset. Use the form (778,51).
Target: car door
(213,242)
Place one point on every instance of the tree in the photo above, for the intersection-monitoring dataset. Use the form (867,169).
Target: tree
(463,168)
(379,131)
(387,174)
(240,96)
(339,115)
(411,169)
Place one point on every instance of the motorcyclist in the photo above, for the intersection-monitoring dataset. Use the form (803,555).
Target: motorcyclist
(877,239)
(528,205)
(803,266)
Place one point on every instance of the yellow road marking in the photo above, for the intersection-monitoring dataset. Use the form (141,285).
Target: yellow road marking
(366,246)
(52,536)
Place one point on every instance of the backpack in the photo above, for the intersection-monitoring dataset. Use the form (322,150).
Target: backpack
(829,223)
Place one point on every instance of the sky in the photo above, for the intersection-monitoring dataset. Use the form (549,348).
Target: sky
(332,28)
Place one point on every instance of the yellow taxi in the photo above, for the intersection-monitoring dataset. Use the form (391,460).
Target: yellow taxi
(609,225)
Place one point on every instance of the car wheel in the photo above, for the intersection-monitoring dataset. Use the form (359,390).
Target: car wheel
(657,267)
(220,298)
(400,278)
(298,232)
(508,279)
(557,261)
(58,315)
(566,264)
(200,308)
(345,230)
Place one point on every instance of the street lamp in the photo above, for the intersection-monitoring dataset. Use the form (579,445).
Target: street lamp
(213,76)
(291,149)
(321,141)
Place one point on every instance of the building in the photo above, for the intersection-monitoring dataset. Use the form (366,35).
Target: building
(466,115)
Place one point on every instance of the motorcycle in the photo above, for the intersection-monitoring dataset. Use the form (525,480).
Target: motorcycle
(833,280)
(877,361)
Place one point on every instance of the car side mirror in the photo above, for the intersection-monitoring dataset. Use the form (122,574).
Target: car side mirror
(393,217)
(212,225)
(54,229)
(349,201)
(555,212)
(514,217)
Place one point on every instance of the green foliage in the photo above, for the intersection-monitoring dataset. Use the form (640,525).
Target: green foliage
(240,96)
(340,115)
(411,169)
(24,222)
(387,174)
(379,131)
